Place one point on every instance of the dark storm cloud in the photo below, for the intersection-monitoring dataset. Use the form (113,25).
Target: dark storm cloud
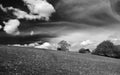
(115,5)
(25,39)
(5,16)
(14,3)
(71,15)
(90,12)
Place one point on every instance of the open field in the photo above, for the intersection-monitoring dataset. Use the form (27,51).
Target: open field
(30,61)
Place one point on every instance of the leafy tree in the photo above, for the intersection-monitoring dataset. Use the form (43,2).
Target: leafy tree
(107,48)
(63,46)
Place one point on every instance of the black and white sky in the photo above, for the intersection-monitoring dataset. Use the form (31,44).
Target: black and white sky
(85,22)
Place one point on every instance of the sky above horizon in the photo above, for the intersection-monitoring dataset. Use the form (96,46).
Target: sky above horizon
(80,22)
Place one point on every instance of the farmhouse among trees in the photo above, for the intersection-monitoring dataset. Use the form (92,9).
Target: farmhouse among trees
(83,50)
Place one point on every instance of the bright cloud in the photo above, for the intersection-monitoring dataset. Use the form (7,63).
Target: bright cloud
(11,27)
(86,42)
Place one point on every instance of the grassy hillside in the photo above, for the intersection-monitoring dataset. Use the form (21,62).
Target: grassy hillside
(30,61)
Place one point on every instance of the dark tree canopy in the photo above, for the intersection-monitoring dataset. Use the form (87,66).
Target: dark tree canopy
(63,46)
(107,48)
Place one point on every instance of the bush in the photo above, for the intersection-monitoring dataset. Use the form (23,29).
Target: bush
(63,46)
(83,50)
(107,48)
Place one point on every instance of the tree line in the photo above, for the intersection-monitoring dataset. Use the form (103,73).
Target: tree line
(105,48)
